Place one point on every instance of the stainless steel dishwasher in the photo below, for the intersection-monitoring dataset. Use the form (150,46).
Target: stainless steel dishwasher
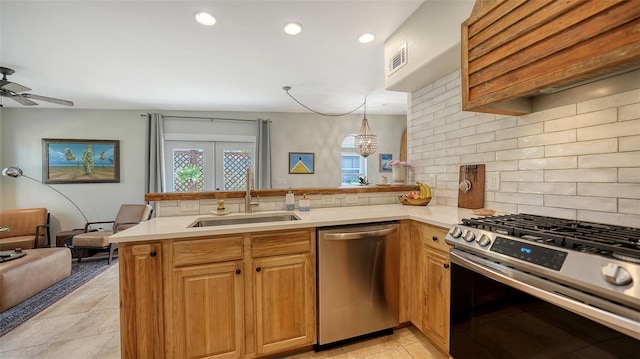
(358,274)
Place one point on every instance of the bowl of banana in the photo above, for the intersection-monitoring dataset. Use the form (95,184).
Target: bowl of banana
(417,198)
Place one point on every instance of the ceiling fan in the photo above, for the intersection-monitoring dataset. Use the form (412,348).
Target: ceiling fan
(15,91)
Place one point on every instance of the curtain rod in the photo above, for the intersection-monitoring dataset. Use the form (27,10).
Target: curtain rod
(204,118)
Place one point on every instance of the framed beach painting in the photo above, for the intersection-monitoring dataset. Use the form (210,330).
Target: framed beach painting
(80,161)
(301,163)
(385,158)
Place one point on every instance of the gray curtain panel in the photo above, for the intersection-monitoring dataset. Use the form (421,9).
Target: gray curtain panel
(263,154)
(155,154)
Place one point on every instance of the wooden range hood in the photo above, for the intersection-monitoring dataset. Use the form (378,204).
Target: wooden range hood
(513,50)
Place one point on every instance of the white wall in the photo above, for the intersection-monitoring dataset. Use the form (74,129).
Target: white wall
(579,160)
(22,130)
(22,133)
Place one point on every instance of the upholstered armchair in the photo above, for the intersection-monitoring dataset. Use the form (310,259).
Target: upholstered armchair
(128,216)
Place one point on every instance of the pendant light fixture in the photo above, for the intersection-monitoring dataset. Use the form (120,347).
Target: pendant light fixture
(366,142)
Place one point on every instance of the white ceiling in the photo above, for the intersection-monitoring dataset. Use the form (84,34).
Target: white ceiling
(152,55)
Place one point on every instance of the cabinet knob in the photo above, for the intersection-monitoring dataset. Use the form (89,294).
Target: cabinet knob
(446,265)
(153,253)
(258,269)
(434,238)
(238,271)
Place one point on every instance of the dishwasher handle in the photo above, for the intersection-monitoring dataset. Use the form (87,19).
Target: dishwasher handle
(337,236)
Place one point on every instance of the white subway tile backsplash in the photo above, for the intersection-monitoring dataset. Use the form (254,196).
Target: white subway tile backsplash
(582,148)
(630,206)
(583,120)
(547,138)
(498,145)
(521,153)
(617,100)
(629,174)
(620,159)
(629,143)
(520,131)
(626,220)
(551,163)
(498,124)
(522,176)
(461,150)
(481,138)
(581,175)
(497,166)
(546,115)
(478,157)
(578,202)
(580,160)
(629,112)
(617,129)
(548,211)
(566,189)
(520,198)
(463,132)
(622,190)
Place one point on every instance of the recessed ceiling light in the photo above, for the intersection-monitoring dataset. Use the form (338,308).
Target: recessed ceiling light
(292,28)
(366,38)
(205,18)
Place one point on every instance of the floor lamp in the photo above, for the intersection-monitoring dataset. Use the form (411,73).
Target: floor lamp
(16,172)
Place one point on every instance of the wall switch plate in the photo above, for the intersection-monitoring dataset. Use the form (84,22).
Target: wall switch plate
(281,182)
(189,206)
(351,198)
(328,199)
(493,181)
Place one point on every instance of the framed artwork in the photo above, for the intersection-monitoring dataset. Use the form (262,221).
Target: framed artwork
(385,158)
(80,161)
(301,163)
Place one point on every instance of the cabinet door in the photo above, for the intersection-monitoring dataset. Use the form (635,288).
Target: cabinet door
(208,311)
(284,302)
(436,279)
(417,298)
(141,304)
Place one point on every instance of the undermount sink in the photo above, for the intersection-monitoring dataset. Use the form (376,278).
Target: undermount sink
(218,221)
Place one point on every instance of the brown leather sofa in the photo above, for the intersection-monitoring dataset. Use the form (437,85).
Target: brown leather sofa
(39,269)
(27,228)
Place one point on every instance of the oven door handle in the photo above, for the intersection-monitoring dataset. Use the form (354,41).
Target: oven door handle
(510,277)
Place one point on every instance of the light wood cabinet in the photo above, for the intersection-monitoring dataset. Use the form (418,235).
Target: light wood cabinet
(284,302)
(141,300)
(429,283)
(230,296)
(208,311)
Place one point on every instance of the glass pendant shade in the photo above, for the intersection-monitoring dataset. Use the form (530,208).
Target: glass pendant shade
(365,142)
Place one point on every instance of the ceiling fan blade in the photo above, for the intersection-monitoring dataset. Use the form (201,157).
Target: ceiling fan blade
(48,99)
(21,99)
(14,87)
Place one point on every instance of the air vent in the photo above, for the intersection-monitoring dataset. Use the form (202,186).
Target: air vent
(398,59)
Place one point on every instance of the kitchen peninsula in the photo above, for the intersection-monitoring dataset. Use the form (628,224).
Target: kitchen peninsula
(249,290)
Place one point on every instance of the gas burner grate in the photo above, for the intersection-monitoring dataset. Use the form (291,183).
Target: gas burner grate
(579,235)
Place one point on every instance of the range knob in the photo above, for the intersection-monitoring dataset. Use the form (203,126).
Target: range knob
(616,274)
(455,232)
(484,240)
(468,236)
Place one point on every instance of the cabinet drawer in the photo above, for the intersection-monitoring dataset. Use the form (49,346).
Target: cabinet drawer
(277,243)
(208,250)
(431,236)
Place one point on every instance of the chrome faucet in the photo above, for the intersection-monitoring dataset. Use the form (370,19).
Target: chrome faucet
(248,201)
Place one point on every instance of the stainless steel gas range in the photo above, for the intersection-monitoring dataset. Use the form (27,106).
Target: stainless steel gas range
(531,279)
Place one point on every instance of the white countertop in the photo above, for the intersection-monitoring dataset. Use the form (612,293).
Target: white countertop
(178,227)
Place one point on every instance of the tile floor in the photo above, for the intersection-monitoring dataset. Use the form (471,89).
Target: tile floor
(85,324)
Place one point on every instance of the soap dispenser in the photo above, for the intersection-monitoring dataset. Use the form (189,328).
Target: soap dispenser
(304,204)
(289,202)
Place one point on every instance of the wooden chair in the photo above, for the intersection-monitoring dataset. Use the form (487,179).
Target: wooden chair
(128,216)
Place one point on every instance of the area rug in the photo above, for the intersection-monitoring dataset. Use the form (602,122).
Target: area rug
(80,274)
